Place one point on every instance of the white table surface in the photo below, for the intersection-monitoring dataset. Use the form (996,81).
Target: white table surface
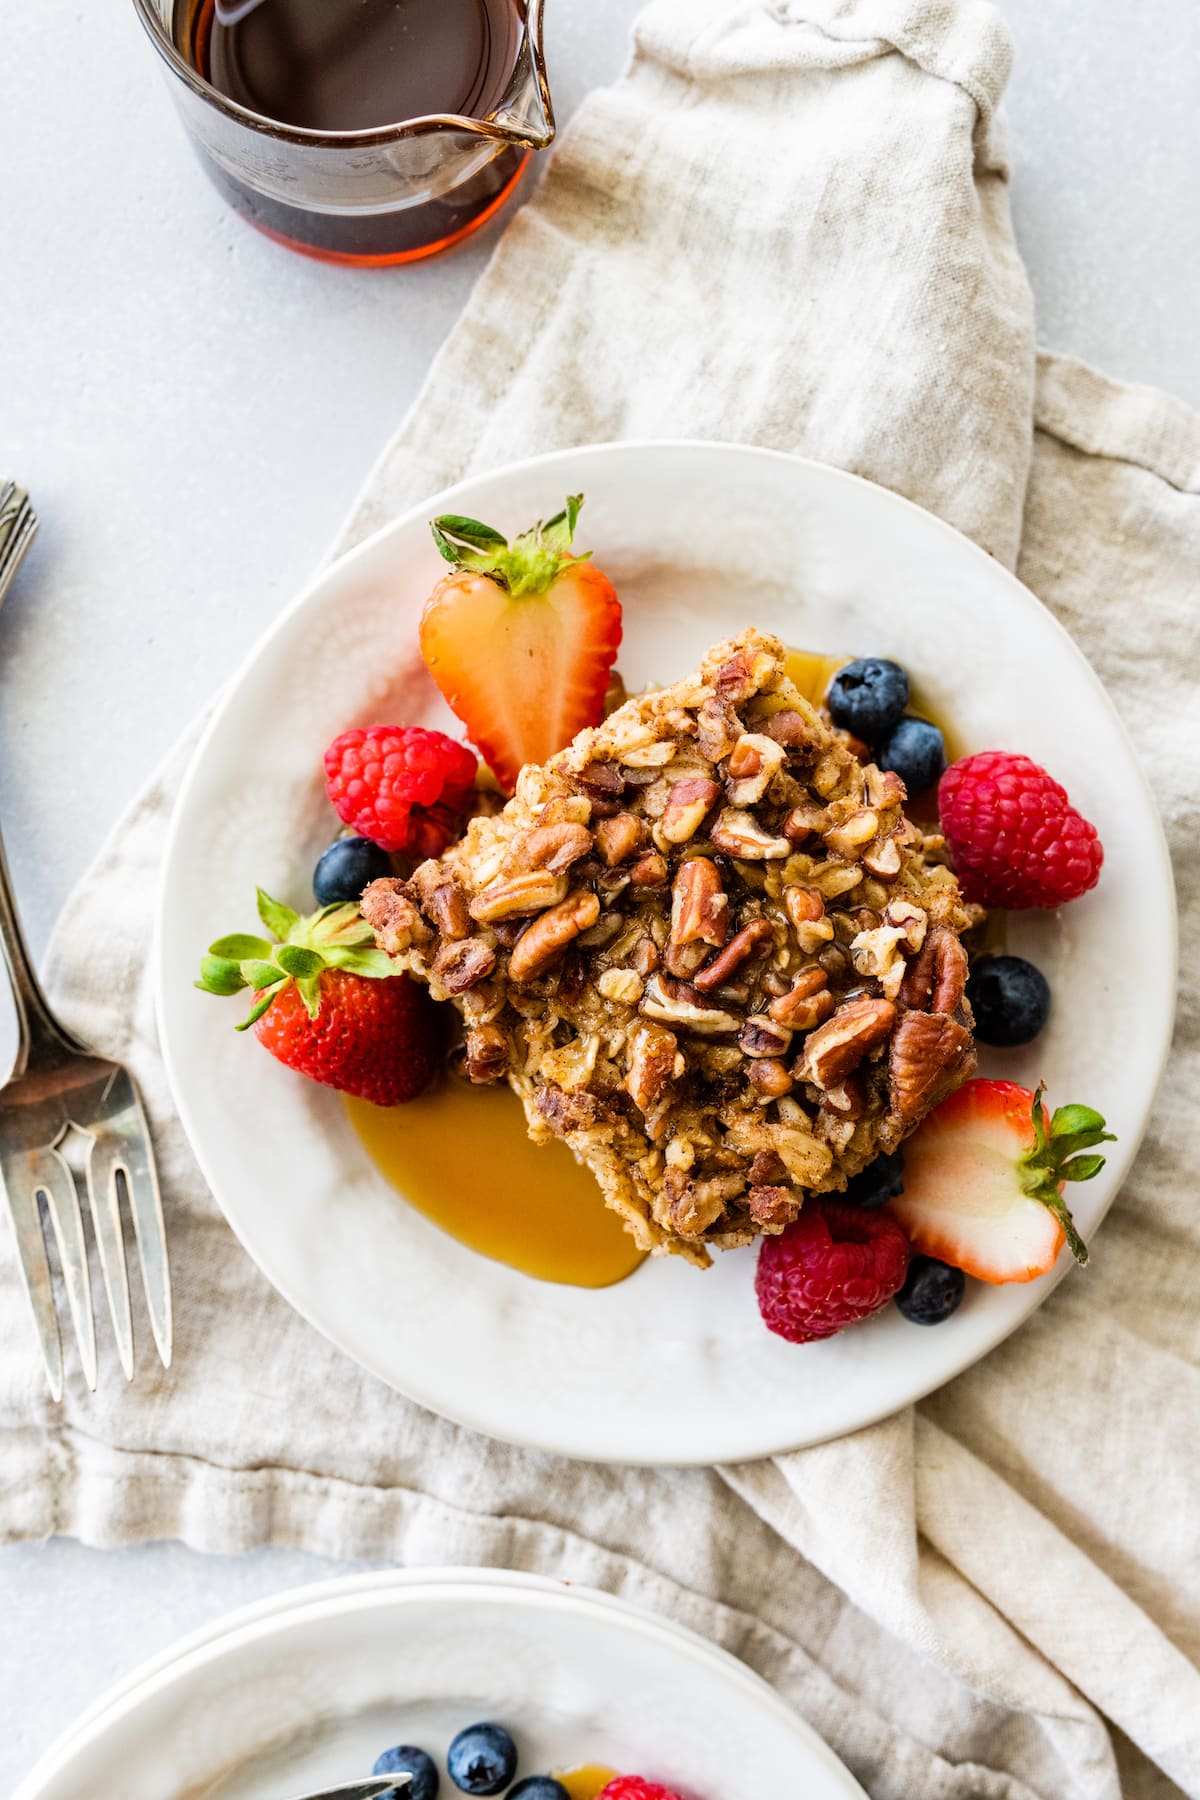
(193,409)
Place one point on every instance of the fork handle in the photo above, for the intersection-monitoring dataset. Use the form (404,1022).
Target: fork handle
(18,523)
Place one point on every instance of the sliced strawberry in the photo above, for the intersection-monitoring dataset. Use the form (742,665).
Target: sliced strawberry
(983,1180)
(521,638)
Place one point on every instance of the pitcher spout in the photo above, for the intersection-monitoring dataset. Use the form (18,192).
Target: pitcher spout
(526,113)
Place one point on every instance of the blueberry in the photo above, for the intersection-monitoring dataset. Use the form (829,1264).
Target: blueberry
(346,868)
(916,752)
(932,1291)
(406,1759)
(878,1183)
(482,1759)
(1010,1000)
(867,697)
(539,1787)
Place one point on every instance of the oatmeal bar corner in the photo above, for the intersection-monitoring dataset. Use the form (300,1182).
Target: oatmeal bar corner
(705,946)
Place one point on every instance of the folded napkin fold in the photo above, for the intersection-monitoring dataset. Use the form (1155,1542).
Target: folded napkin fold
(787,224)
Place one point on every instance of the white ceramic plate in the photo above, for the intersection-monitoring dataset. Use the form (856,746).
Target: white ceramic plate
(309,1686)
(673,1365)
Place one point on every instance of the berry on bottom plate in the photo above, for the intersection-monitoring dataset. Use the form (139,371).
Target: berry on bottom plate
(832,1267)
(636,1787)
(932,1291)
(1014,838)
(878,1183)
(983,1179)
(348,866)
(401,786)
(407,1759)
(1010,1000)
(867,697)
(916,752)
(328,1004)
(482,1759)
(538,1787)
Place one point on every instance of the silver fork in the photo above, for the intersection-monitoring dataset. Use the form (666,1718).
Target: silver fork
(59,1090)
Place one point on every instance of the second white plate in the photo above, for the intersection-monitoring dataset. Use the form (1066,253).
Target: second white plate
(671,1365)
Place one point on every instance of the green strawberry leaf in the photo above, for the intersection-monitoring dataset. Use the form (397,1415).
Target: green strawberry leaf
(310,992)
(375,963)
(1053,1160)
(279,920)
(295,960)
(239,945)
(1070,1119)
(256,1011)
(1081,1168)
(262,974)
(219,975)
(529,565)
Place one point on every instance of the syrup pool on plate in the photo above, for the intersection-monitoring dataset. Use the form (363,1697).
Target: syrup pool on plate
(461,1156)
(586,1781)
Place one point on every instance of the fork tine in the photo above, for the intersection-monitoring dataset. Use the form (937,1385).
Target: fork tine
(35,1274)
(145,1205)
(104,1160)
(50,1175)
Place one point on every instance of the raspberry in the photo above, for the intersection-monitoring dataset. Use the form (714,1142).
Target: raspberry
(1014,838)
(635,1787)
(399,785)
(834,1266)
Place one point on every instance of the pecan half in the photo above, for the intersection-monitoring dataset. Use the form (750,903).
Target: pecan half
(516,894)
(443,898)
(749,941)
(555,847)
(699,914)
(689,803)
(392,915)
(937,979)
(487,1054)
(620,837)
(548,936)
(652,1053)
(836,1048)
(458,966)
(740,835)
(764,1036)
(930,1055)
(754,762)
(806,1004)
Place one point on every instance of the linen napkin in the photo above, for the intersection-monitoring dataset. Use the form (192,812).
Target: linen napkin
(788,224)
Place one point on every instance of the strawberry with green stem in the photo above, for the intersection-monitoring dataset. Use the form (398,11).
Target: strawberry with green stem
(983,1180)
(521,638)
(327,1003)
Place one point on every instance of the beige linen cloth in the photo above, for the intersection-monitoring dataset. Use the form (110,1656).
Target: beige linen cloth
(788,224)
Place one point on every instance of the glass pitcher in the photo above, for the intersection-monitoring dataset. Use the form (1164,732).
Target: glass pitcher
(388,194)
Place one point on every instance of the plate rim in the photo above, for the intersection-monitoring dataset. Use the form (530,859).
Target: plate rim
(244,1626)
(445,499)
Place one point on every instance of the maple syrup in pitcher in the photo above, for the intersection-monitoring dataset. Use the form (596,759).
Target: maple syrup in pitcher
(340,66)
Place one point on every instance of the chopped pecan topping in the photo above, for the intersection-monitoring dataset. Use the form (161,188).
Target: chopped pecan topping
(806,1004)
(548,936)
(848,838)
(739,834)
(930,1055)
(555,847)
(689,803)
(751,940)
(678,1003)
(488,1053)
(767,1166)
(770,1078)
(806,821)
(806,1159)
(652,1052)
(649,871)
(788,728)
(773,1205)
(806,910)
(882,859)
(620,837)
(912,920)
(392,915)
(514,895)
(753,764)
(623,986)
(849,1101)
(836,1048)
(695,1205)
(764,1036)
(459,965)
(443,898)
(565,1112)
(699,914)
(937,979)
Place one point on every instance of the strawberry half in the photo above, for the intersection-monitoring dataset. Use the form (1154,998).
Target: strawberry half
(521,638)
(328,1003)
(983,1180)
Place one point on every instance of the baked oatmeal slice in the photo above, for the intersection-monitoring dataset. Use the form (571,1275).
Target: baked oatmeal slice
(705,947)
